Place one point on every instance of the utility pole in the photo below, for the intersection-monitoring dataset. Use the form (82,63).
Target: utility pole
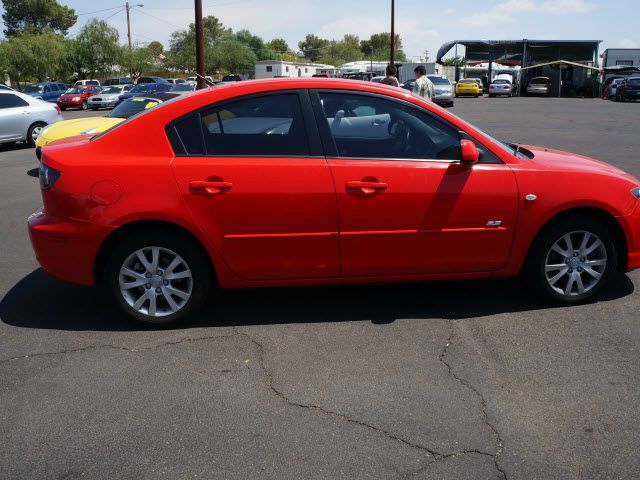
(393,34)
(199,46)
(129,7)
(371,57)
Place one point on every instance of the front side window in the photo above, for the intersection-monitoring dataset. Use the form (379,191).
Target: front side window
(365,126)
(8,100)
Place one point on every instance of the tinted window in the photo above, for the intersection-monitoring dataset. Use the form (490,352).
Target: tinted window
(8,100)
(261,125)
(47,89)
(190,134)
(634,81)
(438,80)
(371,127)
(132,106)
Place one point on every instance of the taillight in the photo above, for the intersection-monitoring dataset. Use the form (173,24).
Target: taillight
(48,176)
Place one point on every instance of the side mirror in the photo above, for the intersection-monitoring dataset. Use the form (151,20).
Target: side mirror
(470,153)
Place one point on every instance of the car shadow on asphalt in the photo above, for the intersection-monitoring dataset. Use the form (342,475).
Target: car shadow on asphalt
(10,147)
(39,301)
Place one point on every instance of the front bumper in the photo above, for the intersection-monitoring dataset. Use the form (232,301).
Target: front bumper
(69,104)
(102,103)
(66,248)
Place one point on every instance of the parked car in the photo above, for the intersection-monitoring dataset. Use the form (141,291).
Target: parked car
(194,80)
(47,91)
(232,78)
(142,89)
(629,89)
(378,79)
(539,86)
(108,97)
(117,81)
(5,87)
(609,88)
(176,81)
(183,87)
(248,186)
(77,97)
(152,80)
(500,87)
(468,86)
(95,125)
(443,90)
(22,117)
(408,85)
(84,83)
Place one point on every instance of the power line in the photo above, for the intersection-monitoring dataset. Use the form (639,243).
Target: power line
(97,11)
(158,18)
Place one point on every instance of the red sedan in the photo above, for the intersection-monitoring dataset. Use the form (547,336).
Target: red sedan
(321,181)
(76,97)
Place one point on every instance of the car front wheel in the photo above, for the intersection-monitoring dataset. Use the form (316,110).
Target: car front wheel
(571,261)
(157,277)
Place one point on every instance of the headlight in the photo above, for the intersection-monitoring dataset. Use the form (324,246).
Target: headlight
(75,99)
(48,176)
(636,192)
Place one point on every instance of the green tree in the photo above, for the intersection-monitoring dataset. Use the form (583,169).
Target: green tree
(36,16)
(36,57)
(278,45)
(143,60)
(342,51)
(233,56)
(312,47)
(182,45)
(95,51)
(454,61)
(380,45)
(155,48)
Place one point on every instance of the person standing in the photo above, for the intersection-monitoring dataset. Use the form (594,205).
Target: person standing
(423,86)
(391,78)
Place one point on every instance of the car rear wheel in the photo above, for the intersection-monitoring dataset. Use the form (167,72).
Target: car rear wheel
(571,260)
(157,277)
(33,132)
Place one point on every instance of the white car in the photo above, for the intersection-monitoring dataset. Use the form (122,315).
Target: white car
(84,83)
(23,117)
(108,98)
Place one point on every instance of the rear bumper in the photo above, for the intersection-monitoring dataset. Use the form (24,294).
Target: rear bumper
(66,248)
(445,98)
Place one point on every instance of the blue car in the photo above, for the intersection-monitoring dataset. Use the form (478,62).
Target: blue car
(143,89)
(47,91)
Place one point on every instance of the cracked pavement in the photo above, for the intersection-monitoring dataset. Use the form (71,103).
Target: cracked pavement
(472,380)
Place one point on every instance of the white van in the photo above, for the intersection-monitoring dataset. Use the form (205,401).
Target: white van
(82,83)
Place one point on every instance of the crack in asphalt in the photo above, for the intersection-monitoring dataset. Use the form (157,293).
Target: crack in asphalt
(483,402)
(114,347)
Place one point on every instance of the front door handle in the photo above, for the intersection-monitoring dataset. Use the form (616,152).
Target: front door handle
(210,188)
(368,188)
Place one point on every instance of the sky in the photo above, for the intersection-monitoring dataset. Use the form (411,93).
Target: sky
(423,25)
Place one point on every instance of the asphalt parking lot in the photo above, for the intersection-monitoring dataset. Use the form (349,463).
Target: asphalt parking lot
(470,380)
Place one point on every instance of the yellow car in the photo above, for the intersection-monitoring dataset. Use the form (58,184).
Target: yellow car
(468,86)
(93,125)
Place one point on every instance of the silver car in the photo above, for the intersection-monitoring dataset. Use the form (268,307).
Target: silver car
(443,90)
(108,98)
(23,117)
(539,86)
(500,86)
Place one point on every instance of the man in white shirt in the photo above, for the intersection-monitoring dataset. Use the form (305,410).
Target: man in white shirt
(423,86)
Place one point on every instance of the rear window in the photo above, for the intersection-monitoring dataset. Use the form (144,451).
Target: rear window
(438,80)
(634,81)
(465,80)
(502,81)
(540,81)
(130,107)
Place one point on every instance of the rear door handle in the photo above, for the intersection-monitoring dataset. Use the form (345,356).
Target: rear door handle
(368,188)
(210,188)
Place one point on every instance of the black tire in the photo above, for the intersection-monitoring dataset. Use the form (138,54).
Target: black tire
(191,252)
(30,140)
(534,269)
(95,109)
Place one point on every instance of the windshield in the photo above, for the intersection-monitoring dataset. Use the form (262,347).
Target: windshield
(74,90)
(132,106)
(33,89)
(111,90)
(438,80)
(634,81)
(140,88)
(181,87)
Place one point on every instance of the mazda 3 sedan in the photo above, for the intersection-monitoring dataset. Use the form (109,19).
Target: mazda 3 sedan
(315,181)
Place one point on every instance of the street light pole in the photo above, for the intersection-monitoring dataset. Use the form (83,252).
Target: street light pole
(199,46)
(393,34)
(128,7)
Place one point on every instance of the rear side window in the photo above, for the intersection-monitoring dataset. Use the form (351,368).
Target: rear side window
(8,100)
(264,125)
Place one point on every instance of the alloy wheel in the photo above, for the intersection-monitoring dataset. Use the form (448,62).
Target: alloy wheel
(155,281)
(36,132)
(575,263)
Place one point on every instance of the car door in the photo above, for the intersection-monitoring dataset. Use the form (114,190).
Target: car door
(407,205)
(253,174)
(14,117)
